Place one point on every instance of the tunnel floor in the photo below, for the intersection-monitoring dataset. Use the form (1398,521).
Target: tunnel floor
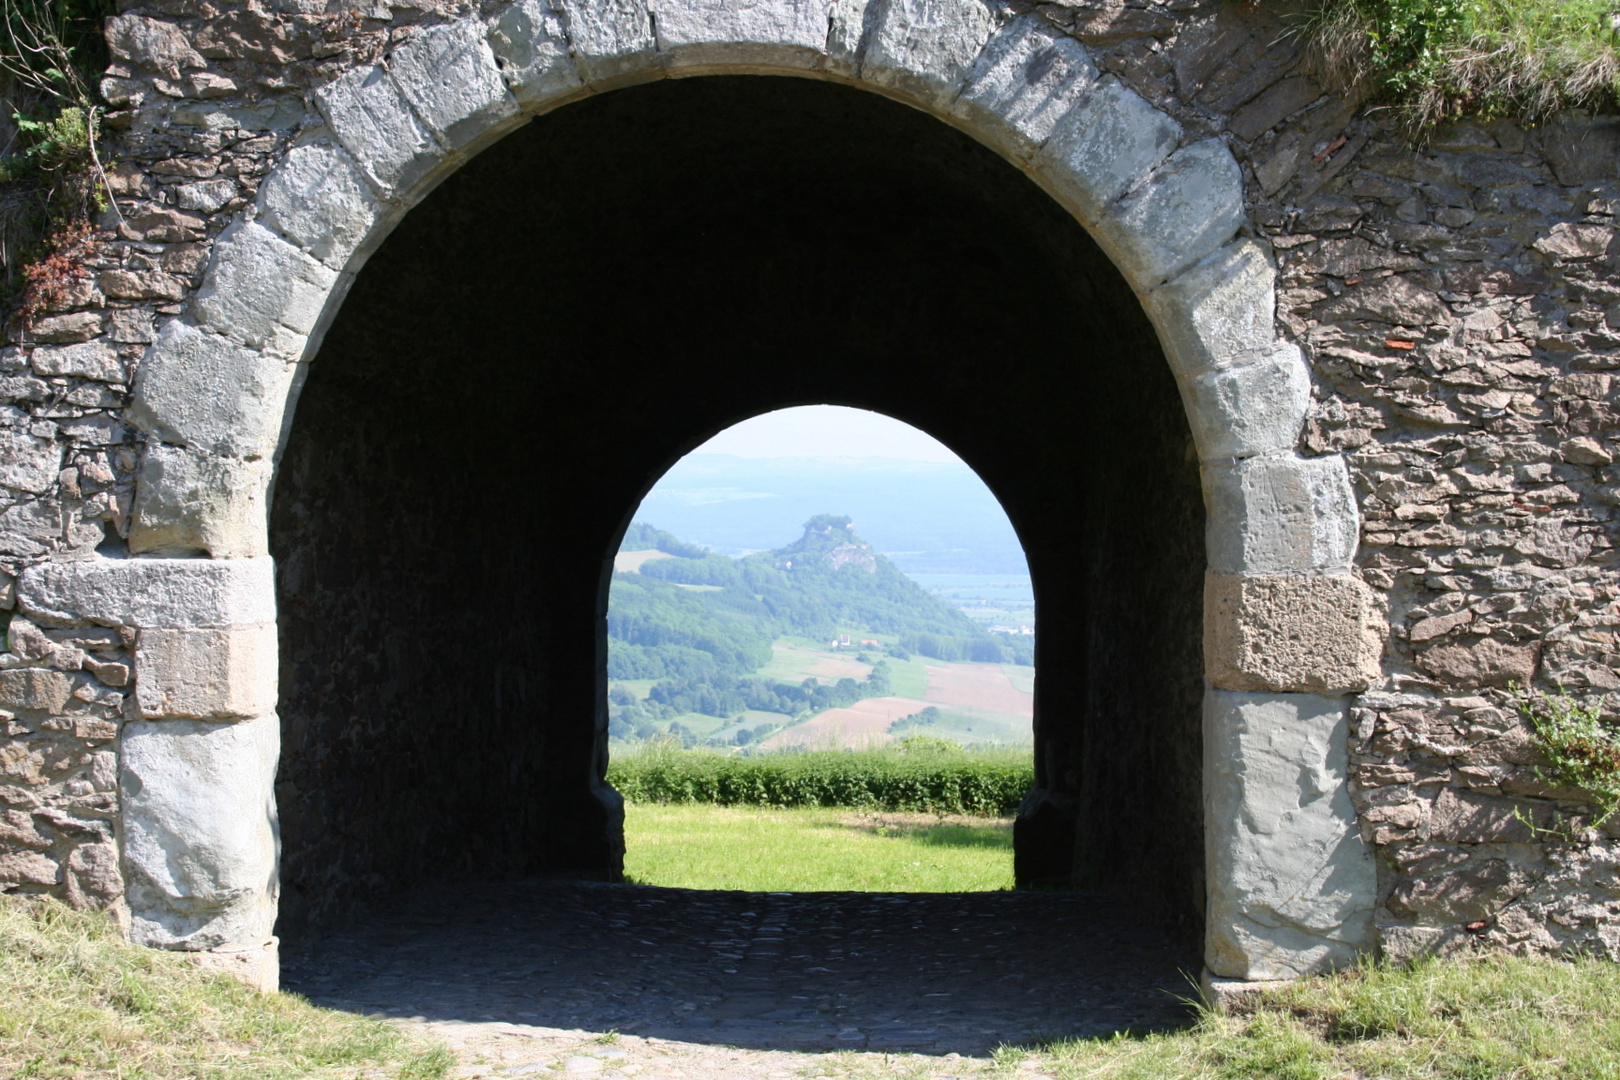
(932,973)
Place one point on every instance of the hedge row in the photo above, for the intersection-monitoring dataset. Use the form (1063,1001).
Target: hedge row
(975,782)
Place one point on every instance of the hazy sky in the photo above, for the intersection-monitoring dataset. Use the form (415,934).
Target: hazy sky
(829,431)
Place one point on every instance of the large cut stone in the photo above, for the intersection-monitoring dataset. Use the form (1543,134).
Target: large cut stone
(1249,409)
(152,592)
(206,674)
(1290,634)
(612,40)
(449,75)
(925,48)
(1223,307)
(1292,886)
(262,291)
(371,118)
(199,828)
(531,45)
(210,393)
(1102,146)
(764,35)
(28,462)
(850,26)
(1026,79)
(188,501)
(1279,515)
(318,198)
(1191,205)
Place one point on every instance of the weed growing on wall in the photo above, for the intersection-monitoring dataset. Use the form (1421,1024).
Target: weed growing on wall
(1582,750)
(925,779)
(1435,60)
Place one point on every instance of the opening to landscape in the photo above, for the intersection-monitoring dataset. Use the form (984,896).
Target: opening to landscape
(558,323)
(858,696)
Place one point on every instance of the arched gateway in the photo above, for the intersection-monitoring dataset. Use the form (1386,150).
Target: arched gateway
(1288,630)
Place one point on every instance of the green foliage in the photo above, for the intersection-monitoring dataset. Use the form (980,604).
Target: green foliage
(923,779)
(1438,59)
(1582,750)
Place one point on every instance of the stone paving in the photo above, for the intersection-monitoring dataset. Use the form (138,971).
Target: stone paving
(521,977)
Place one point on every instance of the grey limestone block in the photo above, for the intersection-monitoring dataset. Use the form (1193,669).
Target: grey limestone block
(850,26)
(450,76)
(262,291)
(1024,82)
(765,35)
(612,40)
(199,830)
(206,673)
(1291,633)
(189,501)
(29,462)
(1280,514)
(1292,886)
(530,44)
(96,360)
(924,49)
(372,119)
(151,592)
(1249,408)
(1102,146)
(1221,310)
(318,198)
(1188,207)
(209,393)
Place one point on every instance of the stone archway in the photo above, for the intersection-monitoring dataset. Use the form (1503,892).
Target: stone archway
(1288,630)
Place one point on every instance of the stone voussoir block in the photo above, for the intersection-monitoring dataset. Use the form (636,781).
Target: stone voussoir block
(1280,514)
(199,829)
(850,26)
(374,122)
(1024,82)
(206,673)
(319,199)
(263,291)
(768,35)
(1292,886)
(1252,408)
(151,593)
(1219,311)
(189,501)
(1190,206)
(1103,145)
(1290,633)
(530,43)
(210,393)
(923,49)
(612,40)
(450,77)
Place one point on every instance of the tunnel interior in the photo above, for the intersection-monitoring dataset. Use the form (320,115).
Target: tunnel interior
(592,297)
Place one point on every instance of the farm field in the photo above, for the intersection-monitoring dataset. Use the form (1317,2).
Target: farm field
(794,663)
(1021,676)
(631,562)
(866,723)
(978,686)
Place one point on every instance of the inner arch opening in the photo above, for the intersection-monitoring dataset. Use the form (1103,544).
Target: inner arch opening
(558,322)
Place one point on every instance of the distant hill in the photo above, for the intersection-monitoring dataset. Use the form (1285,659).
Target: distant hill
(699,626)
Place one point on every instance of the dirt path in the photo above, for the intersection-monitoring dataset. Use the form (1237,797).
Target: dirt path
(527,978)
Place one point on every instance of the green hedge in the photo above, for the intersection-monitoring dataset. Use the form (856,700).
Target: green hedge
(972,782)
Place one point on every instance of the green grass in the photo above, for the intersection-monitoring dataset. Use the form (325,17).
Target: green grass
(909,678)
(813,850)
(1480,1018)
(76,1000)
(937,779)
(1021,676)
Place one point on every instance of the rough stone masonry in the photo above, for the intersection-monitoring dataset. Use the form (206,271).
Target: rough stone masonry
(1395,366)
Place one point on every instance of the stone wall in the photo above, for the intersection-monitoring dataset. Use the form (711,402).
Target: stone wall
(1454,304)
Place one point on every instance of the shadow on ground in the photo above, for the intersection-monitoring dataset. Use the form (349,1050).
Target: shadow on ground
(918,972)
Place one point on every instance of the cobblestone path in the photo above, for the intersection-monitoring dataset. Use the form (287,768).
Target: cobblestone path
(928,973)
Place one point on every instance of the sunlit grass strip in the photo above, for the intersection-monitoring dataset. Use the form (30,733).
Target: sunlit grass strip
(1478,1018)
(1440,59)
(76,1000)
(990,782)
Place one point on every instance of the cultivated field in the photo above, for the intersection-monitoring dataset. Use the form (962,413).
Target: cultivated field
(866,723)
(630,562)
(978,686)
(792,663)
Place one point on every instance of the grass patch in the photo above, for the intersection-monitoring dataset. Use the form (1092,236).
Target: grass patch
(1480,1018)
(985,782)
(813,850)
(77,1000)
(1439,59)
